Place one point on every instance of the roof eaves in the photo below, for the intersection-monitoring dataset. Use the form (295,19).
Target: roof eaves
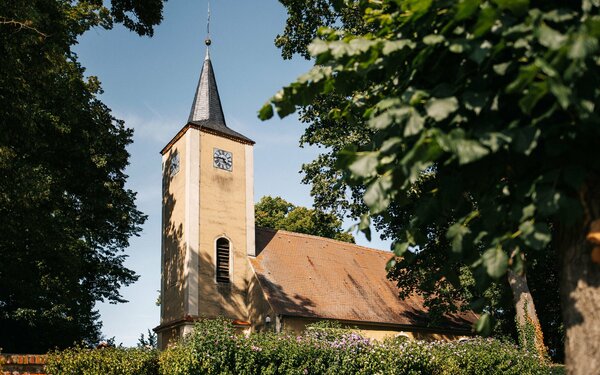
(195,125)
(224,131)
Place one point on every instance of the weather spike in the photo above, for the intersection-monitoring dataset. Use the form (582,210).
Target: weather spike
(207,41)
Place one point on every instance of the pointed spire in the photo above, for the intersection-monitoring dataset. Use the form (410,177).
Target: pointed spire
(207,111)
(207,103)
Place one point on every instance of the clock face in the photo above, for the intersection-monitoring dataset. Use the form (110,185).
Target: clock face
(174,166)
(222,159)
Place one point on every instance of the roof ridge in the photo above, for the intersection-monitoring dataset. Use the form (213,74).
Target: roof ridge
(350,244)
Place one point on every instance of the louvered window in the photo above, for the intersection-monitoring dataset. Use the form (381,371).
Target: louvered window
(222,260)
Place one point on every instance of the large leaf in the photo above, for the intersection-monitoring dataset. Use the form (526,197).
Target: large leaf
(518,7)
(417,7)
(365,226)
(466,8)
(532,95)
(550,38)
(433,39)
(397,45)
(266,112)
(485,21)
(495,262)
(469,151)
(583,46)
(535,235)
(526,139)
(484,325)
(440,108)
(455,234)
(414,123)
(475,100)
(365,163)
(400,248)
(389,117)
(377,196)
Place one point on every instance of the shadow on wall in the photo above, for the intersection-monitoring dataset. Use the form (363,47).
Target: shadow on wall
(173,248)
(230,300)
(281,301)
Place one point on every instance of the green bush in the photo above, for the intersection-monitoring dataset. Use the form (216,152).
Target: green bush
(215,348)
(105,361)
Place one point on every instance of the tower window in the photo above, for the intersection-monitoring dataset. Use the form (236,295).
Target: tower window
(222,260)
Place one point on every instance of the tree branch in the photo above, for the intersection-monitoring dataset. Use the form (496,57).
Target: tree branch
(21,25)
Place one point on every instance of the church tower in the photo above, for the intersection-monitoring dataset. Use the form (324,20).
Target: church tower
(207,217)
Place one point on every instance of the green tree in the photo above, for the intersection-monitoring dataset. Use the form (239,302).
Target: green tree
(332,194)
(305,17)
(65,215)
(277,213)
(148,342)
(498,99)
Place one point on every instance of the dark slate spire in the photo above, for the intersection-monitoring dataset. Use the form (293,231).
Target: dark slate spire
(207,104)
(207,111)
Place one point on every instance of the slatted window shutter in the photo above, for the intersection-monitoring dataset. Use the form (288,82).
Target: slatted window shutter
(222,260)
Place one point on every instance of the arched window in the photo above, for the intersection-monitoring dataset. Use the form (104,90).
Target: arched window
(222,260)
(402,336)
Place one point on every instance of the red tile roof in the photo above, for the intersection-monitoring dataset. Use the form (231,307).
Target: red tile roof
(316,277)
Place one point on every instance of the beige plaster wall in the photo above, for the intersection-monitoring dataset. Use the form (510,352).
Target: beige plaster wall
(173,245)
(219,203)
(380,333)
(168,336)
(259,308)
(222,214)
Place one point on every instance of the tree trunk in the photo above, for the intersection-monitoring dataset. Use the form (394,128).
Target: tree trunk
(580,289)
(528,325)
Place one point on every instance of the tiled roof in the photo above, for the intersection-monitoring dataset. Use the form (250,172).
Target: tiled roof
(315,277)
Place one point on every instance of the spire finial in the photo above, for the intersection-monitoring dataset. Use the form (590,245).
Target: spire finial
(207,41)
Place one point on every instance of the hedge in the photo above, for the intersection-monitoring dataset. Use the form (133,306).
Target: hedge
(215,348)
(105,361)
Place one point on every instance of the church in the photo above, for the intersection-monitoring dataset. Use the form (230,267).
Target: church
(216,262)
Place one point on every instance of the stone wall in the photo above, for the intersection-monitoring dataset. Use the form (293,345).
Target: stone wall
(22,364)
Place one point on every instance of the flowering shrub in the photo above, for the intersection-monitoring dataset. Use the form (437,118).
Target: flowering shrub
(121,361)
(215,348)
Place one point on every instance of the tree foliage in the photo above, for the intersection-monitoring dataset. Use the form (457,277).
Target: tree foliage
(277,213)
(496,100)
(65,214)
(305,17)
(150,342)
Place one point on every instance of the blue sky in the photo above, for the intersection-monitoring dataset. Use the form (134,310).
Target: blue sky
(150,83)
